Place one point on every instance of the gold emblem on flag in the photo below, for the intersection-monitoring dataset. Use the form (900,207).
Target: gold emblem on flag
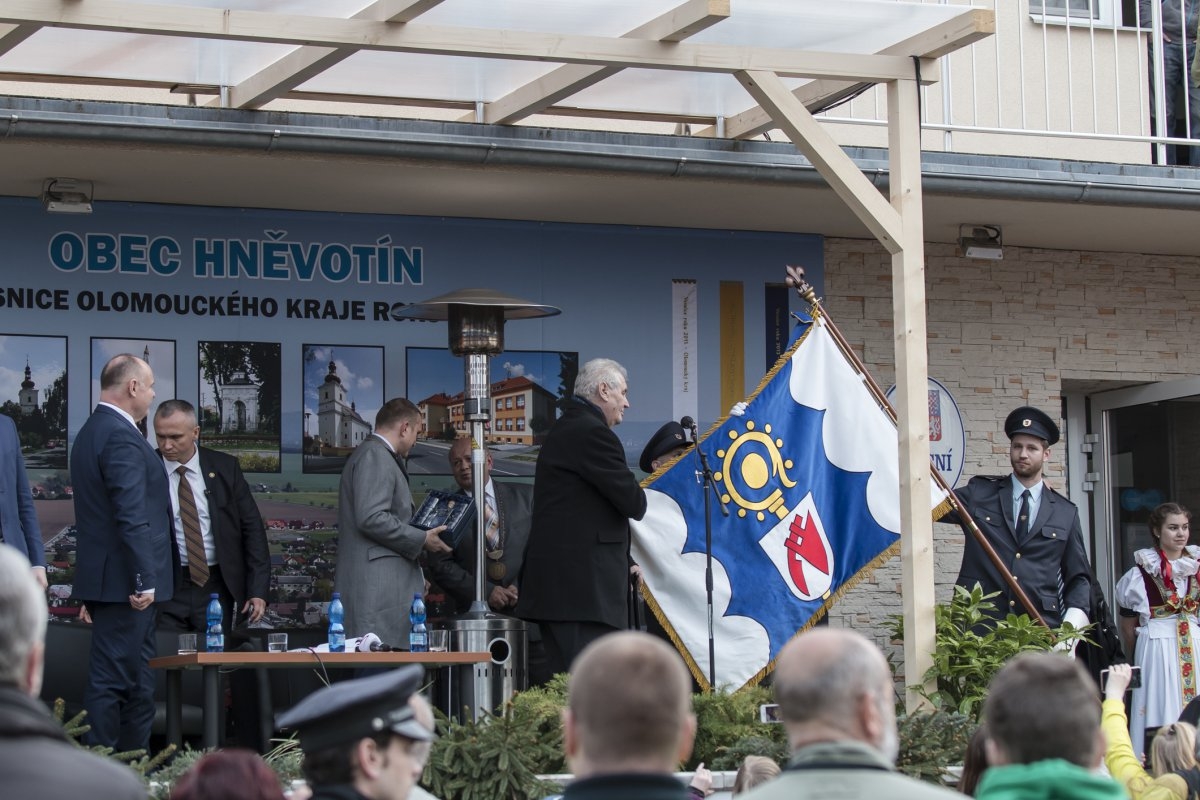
(751,477)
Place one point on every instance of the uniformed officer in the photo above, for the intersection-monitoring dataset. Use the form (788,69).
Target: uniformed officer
(1034,529)
(361,738)
(666,443)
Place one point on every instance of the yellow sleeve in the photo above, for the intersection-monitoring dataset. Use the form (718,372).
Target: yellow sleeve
(1124,765)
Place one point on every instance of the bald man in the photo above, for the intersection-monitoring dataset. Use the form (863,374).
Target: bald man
(126,559)
(837,701)
(628,721)
(508,510)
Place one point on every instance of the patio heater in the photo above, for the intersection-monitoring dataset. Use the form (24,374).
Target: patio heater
(477,318)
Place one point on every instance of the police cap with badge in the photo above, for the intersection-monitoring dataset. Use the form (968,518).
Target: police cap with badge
(669,437)
(351,710)
(1032,422)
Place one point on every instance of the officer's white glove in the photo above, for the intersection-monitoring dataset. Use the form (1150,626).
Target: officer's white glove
(1079,618)
(738,409)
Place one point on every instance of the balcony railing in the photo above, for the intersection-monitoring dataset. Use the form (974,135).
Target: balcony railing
(1060,78)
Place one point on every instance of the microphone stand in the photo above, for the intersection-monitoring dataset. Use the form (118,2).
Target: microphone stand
(706,476)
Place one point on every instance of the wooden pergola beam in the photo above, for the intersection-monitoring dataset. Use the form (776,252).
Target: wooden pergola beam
(303,64)
(934,42)
(676,25)
(13,35)
(259,26)
(837,168)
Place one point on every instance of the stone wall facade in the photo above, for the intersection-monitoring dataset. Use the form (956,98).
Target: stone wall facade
(1021,331)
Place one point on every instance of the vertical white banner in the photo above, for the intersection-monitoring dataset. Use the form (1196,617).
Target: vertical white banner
(684,331)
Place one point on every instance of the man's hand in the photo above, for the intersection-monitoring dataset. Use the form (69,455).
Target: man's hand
(635,575)
(85,616)
(502,597)
(434,543)
(1078,618)
(702,780)
(255,607)
(39,575)
(1119,676)
(141,601)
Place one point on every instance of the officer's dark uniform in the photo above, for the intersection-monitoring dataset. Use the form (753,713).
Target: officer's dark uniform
(1052,547)
(346,712)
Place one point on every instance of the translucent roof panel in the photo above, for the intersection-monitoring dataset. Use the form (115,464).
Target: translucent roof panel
(844,26)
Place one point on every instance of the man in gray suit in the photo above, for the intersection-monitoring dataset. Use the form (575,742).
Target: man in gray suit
(377,571)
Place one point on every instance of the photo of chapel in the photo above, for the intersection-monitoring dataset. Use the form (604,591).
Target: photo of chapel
(240,401)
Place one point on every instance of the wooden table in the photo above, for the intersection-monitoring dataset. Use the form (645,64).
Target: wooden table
(211,663)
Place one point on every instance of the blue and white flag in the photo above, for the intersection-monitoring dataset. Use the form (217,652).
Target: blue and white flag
(810,476)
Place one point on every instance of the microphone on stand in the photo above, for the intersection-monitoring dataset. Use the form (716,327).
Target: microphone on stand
(689,424)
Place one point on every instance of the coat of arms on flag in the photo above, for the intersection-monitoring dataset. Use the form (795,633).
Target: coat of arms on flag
(809,474)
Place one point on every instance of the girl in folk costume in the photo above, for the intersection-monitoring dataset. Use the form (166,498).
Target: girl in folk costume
(1159,600)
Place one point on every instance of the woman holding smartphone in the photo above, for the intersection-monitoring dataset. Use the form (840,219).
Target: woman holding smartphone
(1159,599)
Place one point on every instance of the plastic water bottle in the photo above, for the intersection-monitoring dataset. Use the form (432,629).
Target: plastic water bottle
(337,630)
(214,633)
(418,637)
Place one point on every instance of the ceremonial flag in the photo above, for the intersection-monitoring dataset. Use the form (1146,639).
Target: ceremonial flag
(810,476)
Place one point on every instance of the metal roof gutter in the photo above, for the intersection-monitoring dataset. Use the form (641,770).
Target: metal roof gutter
(947,174)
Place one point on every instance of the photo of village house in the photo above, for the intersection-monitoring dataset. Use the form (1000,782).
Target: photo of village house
(240,401)
(526,388)
(343,391)
(33,392)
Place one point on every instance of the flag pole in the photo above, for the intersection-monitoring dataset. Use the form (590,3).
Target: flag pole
(795,279)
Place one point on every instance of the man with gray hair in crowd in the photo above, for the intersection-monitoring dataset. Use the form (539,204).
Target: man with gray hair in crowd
(837,701)
(575,579)
(36,758)
(628,722)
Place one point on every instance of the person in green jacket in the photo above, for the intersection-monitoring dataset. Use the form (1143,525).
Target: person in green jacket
(1043,733)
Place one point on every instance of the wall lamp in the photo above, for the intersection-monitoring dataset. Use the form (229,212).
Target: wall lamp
(67,196)
(981,241)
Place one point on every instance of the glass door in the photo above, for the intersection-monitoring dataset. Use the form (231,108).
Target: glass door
(1148,453)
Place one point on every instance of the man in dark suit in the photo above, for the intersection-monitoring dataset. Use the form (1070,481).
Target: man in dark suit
(237,562)
(227,554)
(575,580)
(507,518)
(18,518)
(1034,529)
(125,556)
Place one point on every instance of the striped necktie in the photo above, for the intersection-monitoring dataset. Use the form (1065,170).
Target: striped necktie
(193,539)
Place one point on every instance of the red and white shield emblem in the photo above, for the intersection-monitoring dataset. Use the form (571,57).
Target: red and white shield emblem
(799,549)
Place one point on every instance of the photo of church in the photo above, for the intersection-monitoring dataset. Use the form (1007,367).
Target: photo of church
(33,391)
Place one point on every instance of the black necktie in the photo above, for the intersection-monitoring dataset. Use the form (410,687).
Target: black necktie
(1023,517)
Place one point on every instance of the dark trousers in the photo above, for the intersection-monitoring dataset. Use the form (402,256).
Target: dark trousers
(564,640)
(1180,105)
(119,697)
(187,611)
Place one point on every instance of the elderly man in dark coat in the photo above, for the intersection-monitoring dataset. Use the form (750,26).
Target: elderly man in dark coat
(36,759)
(575,580)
